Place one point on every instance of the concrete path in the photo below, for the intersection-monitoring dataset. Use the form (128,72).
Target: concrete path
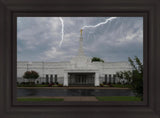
(70,98)
(90,98)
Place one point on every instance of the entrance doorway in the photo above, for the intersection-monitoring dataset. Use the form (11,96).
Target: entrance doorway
(81,79)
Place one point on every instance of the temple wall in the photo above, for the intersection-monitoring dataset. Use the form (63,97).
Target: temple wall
(57,68)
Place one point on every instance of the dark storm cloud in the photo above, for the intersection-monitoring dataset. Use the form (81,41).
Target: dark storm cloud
(39,38)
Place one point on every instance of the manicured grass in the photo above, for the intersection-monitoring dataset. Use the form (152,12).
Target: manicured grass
(39,99)
(118,98)
(106,85)
(121,85)
(36,85)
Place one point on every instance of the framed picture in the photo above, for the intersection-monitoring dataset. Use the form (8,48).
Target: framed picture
(83,65)
(21,26)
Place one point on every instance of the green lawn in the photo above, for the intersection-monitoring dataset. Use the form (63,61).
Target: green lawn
(39,99)
(121,85)
(36,85)
(118,98)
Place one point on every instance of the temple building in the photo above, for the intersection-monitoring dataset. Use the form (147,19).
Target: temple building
(79,71)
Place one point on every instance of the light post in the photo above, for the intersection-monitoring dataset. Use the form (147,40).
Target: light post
(29,63)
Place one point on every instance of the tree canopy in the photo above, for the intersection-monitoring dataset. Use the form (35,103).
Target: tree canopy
(31,75)
(134,77)
(97,59)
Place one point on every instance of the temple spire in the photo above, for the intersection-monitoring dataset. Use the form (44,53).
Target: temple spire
(81,52)
(81,31)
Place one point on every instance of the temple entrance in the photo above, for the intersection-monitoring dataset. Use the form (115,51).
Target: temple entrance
(81,79)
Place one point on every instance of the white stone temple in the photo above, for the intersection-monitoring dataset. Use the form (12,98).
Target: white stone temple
(78,71)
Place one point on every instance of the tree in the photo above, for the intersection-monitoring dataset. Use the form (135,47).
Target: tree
(31,75)
(125,75)
(97,59)
(134,77)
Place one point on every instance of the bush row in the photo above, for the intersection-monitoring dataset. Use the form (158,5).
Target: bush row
(44,84)
(115,85)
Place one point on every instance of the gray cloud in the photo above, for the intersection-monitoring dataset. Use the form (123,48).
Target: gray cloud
(38,38)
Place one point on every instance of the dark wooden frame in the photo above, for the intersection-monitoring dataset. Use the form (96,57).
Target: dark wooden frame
(149,9)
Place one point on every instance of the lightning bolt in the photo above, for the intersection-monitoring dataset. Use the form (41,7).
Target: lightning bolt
(101,23)
(62,31)
(86,26)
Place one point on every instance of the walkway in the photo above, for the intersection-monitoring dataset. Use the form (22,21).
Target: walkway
(73,87)
(77,98)
(70,98)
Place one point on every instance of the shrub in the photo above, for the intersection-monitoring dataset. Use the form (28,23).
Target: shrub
(50,85)
(104,82)
(39,85)
(32,83)
(43,83)
(101,85)
(47,83)
(56,83)
(119,83)
(22,83)
(60,85)
(105,85)
(110,85)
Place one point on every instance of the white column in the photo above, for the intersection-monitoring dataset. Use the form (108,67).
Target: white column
(96,79)
(111,78)
(65,79)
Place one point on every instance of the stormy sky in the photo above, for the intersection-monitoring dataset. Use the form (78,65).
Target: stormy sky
(38,38)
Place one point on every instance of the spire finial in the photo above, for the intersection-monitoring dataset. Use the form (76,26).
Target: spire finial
(81,31)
